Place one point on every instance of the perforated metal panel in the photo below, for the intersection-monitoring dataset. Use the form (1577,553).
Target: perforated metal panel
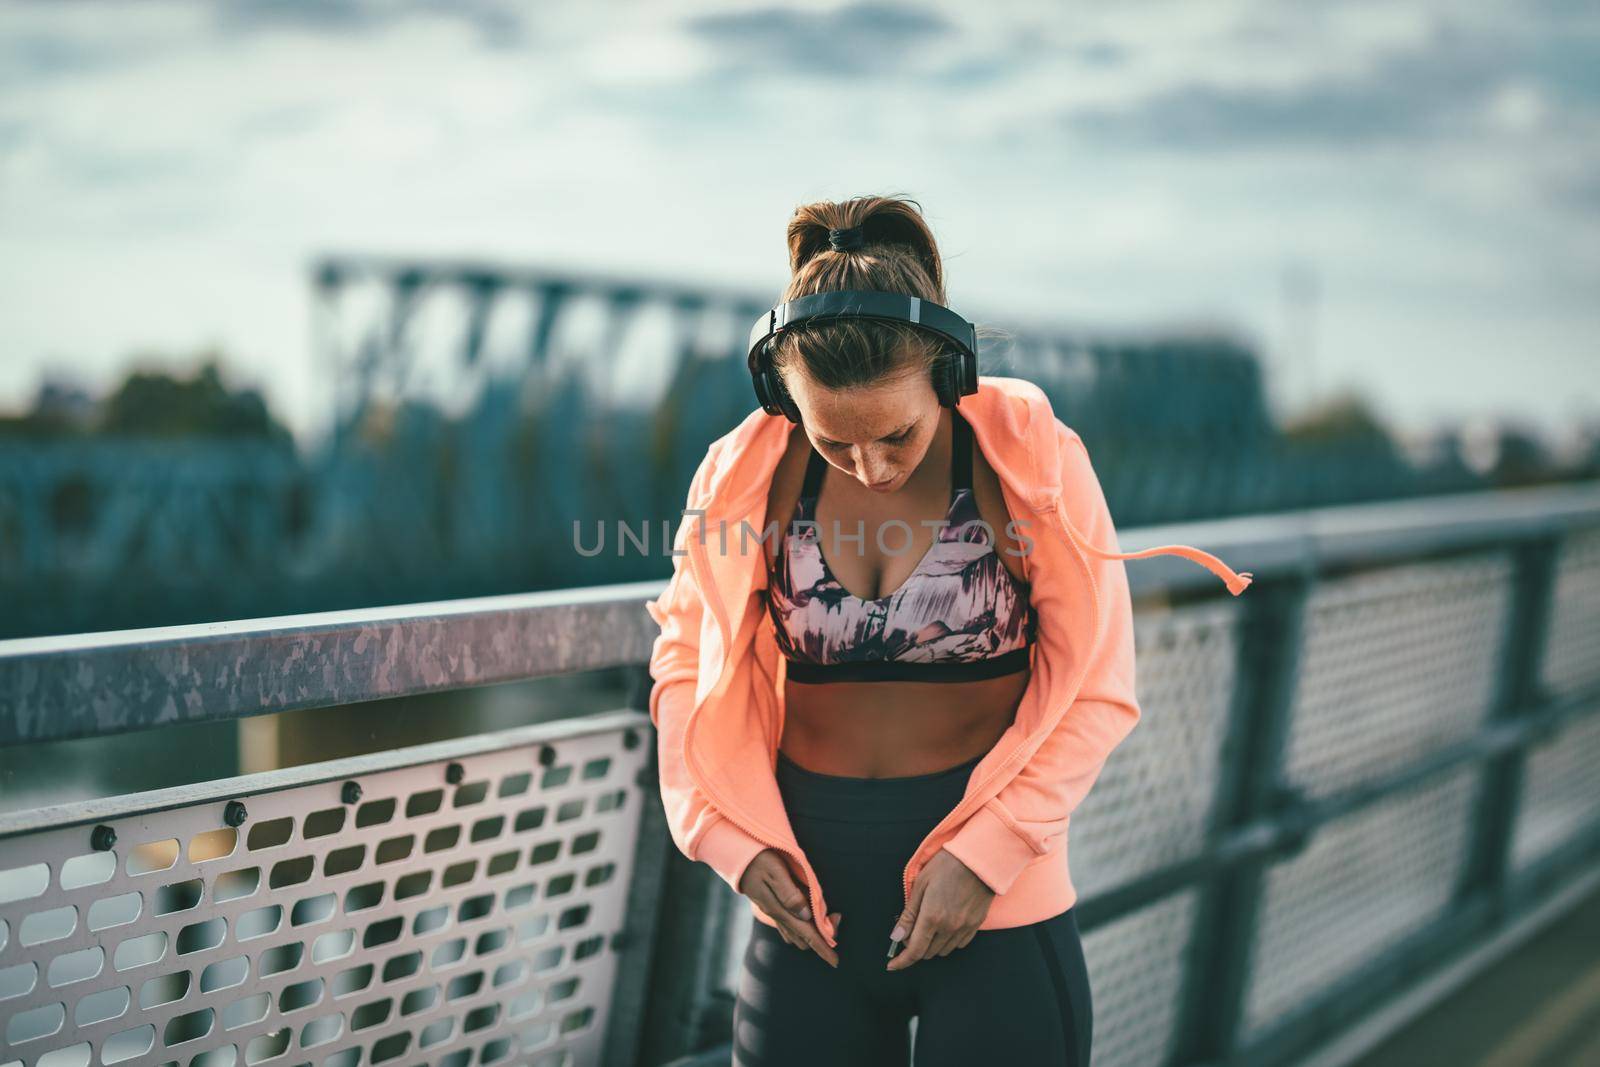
(1396,664)
(1363,883)
(459,910)
(1572,651)
(1560,798)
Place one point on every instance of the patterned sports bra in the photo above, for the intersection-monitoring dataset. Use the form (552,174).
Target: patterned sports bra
(961,614)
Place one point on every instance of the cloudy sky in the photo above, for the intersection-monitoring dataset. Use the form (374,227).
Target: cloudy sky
(167,170)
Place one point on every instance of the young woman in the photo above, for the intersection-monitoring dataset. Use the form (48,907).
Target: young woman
(895,652)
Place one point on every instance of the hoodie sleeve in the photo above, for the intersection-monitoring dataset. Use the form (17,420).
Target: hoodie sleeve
(700,831)
(1022,821)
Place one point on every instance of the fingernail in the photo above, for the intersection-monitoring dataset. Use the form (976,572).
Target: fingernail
(898,934)
(894,947)
(805,912)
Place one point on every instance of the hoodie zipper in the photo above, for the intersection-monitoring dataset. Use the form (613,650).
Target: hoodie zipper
(730,811)
(1094,592)
(1236,583)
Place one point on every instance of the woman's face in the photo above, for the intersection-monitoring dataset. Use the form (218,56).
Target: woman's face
(876,433)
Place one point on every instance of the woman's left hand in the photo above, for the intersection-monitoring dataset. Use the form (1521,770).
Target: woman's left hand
(948,902)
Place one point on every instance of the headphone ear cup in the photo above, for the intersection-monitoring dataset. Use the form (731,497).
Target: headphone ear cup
(946,383)
(791,410)
(963,373)
(774,397)
(758,380)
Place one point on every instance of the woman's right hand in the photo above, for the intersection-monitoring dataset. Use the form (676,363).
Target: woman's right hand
(767,881)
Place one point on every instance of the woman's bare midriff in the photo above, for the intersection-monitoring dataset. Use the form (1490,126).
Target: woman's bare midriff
(898,728)
(892,729)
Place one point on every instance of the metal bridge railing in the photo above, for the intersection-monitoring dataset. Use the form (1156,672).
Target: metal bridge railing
(1376,759)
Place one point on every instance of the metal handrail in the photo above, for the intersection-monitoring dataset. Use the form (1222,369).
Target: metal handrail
(82,685)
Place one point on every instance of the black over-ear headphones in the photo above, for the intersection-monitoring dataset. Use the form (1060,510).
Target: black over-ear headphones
(954,376)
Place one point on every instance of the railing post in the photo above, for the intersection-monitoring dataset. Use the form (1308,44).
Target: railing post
(1516,694)
(1248,789)
(665,990)
(681,1016)
(635,944)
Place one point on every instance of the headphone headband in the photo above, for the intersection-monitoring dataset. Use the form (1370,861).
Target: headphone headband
(865,304)
(951,380)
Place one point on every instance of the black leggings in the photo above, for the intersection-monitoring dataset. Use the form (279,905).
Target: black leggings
(1018,995)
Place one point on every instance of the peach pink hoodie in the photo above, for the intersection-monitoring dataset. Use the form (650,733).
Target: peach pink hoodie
(718,697)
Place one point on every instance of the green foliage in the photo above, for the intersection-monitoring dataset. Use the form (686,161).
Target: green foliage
(1345,416)
(151,403)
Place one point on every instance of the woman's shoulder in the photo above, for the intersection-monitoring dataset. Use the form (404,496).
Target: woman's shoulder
(787,479)
(991,503)
(726,458)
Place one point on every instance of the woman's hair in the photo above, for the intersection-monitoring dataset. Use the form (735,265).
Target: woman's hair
(899,256)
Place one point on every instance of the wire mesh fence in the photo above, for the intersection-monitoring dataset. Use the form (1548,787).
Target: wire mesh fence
(1379,755)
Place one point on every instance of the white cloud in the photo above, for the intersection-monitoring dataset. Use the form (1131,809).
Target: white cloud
(167,176)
